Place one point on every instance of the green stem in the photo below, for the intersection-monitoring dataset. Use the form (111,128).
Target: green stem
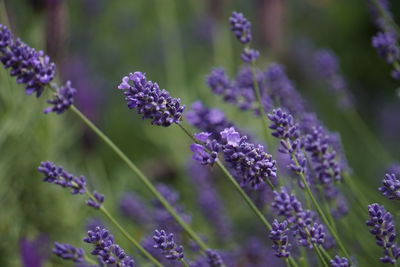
(184,263)
(321,258)
(263,115)
(325,253)
(141,177)
(293,262)
(125,233)
(89,260)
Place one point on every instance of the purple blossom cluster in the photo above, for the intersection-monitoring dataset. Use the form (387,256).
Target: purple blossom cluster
(327,66)
(150,101)
(340,262)
(105,248)
(31,68)
(241,27)
(63,99)
(165,242)
(382,227)
(207,152)
(390,186)
(279,236)
(69,252)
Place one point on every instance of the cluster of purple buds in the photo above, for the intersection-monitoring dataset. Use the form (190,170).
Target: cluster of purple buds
(97,200)
(323,156)
(249,161)
(165,242)
(279,236)
(214,259)
(32,68)
(241,27)
(383,228)
(390,186)
(339,262)
(249,55)
(387,47)
(207,120)
(205,153)
(69,252)
(283,91)
(311,234)
(284,128)
(150,101)
(286,205)
(57,175)
(63,99)
(326,64)
(105,248)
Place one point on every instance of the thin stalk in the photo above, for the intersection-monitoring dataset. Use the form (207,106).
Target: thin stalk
(125,233)
(89,260)
(361,199)
(263,115)
(321,258)
(325,253)
(184,263)
(303,257)
(141,177)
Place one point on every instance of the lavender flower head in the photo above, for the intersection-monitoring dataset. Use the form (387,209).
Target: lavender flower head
(150,101)
(249,55)
(165,242)
(248,160)
(207,152)
(63,99)
(311,234)
(339,262)
(390,186)
(105,248)
(214,259)
(57,175)
(97,200)
(279,236)
(386,45)
(286,205)
(241,27)
(32,68)
(69,252)
(383,228)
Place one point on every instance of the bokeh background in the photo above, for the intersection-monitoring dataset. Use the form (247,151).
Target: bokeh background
(177,43)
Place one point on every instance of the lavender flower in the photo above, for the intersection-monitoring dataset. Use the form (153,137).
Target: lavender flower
(386,45)
(105,248)
(279,236)
(248,160)
(34,253)
(249,55)
(57,175)
(286,205)
(311,234)
(165,242)
(339,262)
(327,65)
(97,201)
(206,153)
(383,228)
(283,90)
(208,120)
(69,252)
(376,12)
(214,259)
(32,68)
(241,27)
(63,99)
(133,207)
(150,101)
(390,186)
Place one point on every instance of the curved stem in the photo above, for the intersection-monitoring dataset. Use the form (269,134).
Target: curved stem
(125,233)
(325,253)
(89,260)
(184,263)
(141,177)
(321,258)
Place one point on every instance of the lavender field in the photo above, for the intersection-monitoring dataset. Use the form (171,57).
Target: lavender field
(199,133)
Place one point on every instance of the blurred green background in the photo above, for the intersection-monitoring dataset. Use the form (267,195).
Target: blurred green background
(96,42)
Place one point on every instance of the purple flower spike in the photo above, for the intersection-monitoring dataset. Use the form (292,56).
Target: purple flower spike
(150,101)
(32,68)
(311,234)
(339,262)
(97,201)
(390,187)
(105,248)
(165,242)
(57,175)
(383,228)
(249,55)
(207,152)
(279,236)
(63,99)
(286,205)
(248,160)
(68,252)
(214,259)
(386,46)
(241,27)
